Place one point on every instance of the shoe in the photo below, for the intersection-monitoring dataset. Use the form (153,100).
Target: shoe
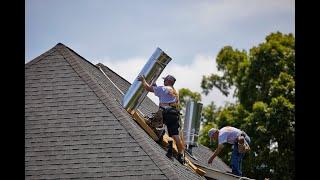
(180,158)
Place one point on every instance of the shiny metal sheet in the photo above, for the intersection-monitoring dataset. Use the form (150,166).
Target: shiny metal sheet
(151,70)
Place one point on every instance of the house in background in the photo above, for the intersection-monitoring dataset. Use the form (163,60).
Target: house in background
(76,127)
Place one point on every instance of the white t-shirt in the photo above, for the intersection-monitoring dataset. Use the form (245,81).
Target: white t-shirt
(228,134)
(165,94)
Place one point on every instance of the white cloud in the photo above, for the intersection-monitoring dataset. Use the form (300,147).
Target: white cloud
(188,76)
(225,16)
(222,11)
(128,69)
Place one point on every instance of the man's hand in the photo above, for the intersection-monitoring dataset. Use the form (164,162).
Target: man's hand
(141,78)
(216,152)
(146,86)
(240,139)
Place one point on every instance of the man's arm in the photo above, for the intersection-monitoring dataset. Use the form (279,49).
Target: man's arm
(145,84)
(216,152)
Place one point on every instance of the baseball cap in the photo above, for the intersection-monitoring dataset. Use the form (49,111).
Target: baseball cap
(170,77)
(210,134)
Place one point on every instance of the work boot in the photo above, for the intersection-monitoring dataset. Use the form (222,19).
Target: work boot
(180,158)
(170,150)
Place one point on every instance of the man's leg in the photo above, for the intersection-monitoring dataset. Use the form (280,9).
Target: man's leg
(180,148)
(235,160)
(241,155)
(172,122)
(240,163)
(178,141)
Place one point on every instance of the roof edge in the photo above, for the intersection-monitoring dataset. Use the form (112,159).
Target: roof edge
(217,174)
(78,55)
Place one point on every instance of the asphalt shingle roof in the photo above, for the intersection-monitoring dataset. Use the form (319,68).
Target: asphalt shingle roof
(75,126)
(203,153)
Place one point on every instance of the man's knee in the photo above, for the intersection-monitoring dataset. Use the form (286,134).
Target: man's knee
(176,138)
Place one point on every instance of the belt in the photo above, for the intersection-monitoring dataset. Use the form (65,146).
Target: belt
(175,105)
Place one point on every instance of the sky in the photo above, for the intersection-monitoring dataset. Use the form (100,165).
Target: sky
(123,34)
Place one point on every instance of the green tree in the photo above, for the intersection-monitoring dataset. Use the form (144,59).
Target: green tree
(265,88)
(209,113)
(186,94)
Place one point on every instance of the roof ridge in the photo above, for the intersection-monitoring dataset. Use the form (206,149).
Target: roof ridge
(100,64)
(40,57)
(77,54)
(123,117)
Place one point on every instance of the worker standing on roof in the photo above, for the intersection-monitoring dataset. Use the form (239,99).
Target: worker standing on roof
(169,104)
(238,138)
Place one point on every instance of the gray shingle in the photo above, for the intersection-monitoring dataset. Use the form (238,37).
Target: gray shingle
(203,153)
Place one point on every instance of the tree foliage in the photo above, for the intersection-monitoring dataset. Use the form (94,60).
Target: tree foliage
(186,94)
(209,113)
(265,88)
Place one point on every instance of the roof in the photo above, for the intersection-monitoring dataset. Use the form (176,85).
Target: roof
(202,154)
(75,126)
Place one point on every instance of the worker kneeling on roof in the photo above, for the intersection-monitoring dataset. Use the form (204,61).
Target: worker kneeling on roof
(169,105)
(240,141)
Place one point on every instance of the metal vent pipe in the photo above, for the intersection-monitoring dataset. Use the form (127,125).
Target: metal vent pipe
(151,70)
(192,123)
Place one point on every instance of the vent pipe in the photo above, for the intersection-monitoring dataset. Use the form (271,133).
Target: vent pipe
(192,123)
(151,71)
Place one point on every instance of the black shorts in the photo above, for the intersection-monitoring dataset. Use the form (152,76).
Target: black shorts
(171,120)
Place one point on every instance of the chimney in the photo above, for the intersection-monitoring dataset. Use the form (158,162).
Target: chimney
(192,124)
